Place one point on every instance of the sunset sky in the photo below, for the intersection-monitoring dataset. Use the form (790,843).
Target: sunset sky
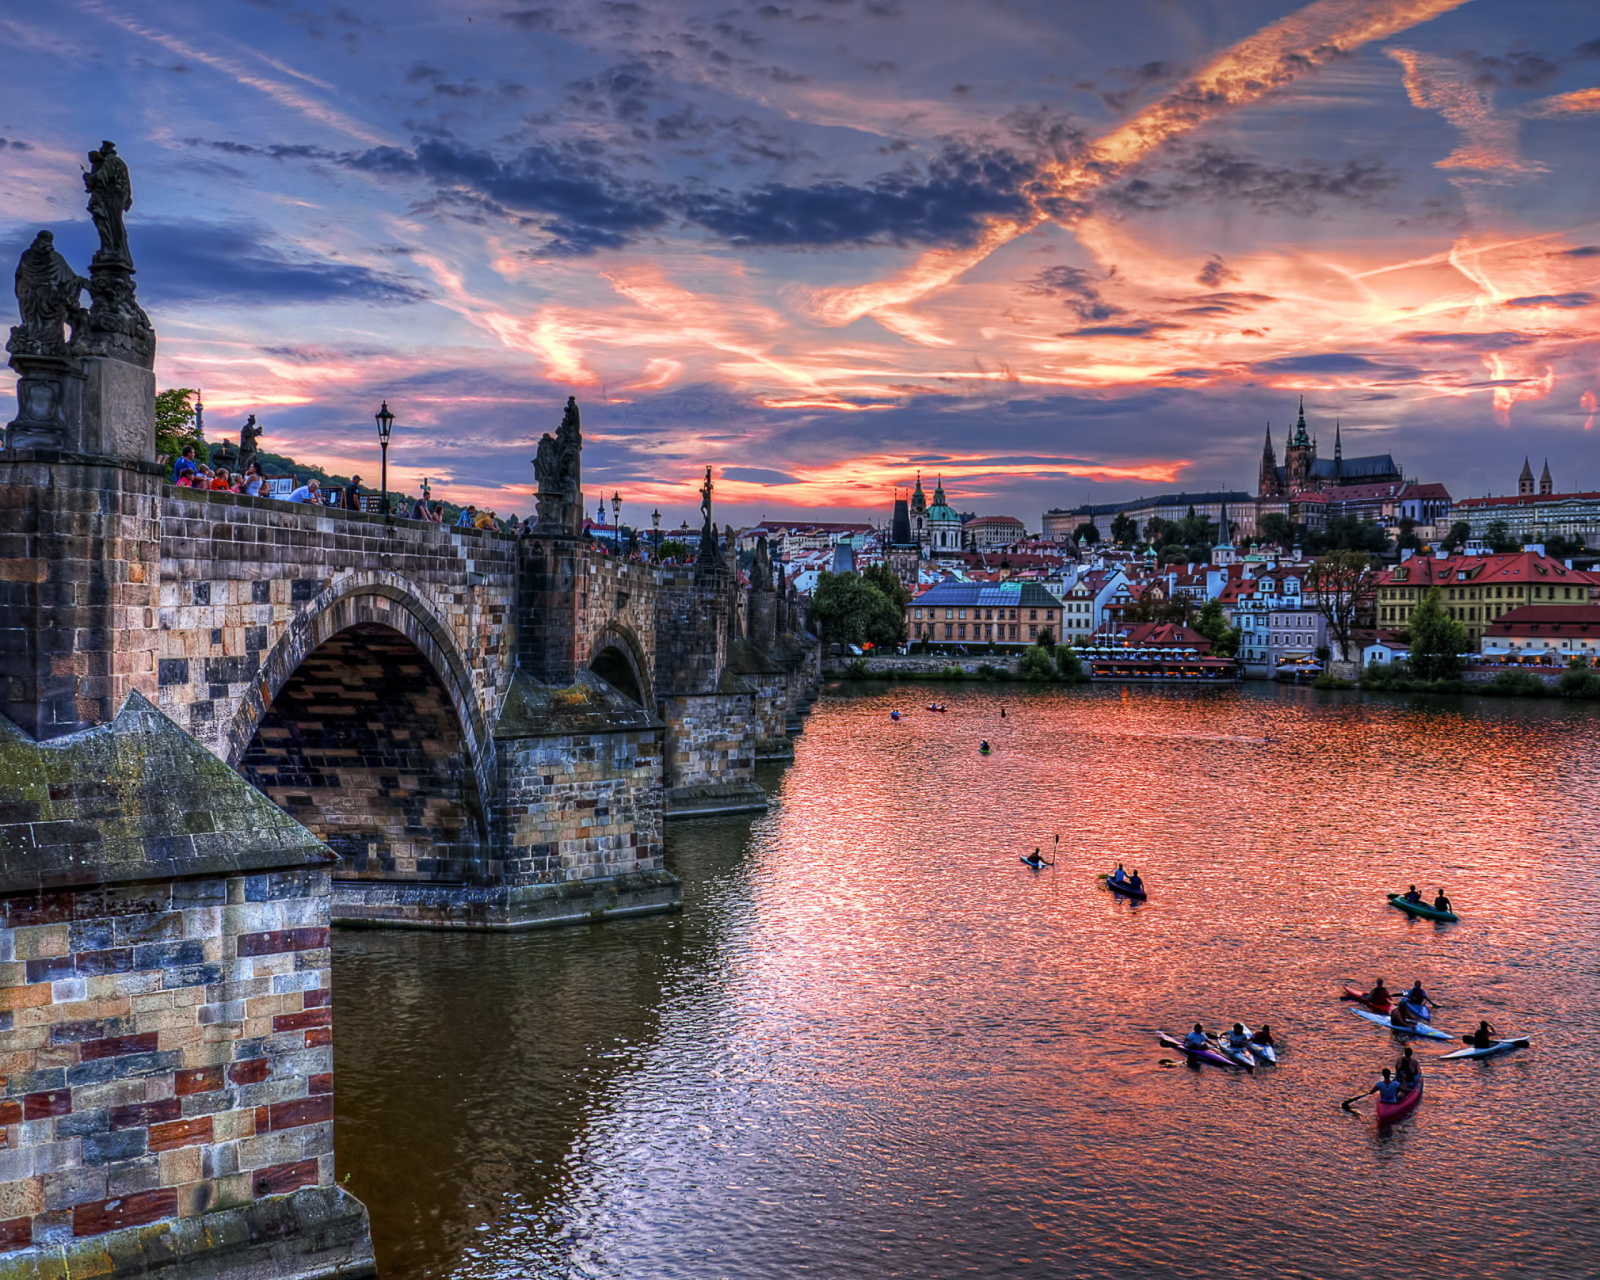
(1057,251)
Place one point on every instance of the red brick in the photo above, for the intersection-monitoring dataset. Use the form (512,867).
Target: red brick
(198,1080)
(279,1178)
(300,1021)
(266,944)
(318,999)
(320,1084)
(250,1071)
(291,1115)
(316,1037)
(16,1234)
(55,1102)
(10,1112)
(124,1211)
(116,1046)
(179,1133)
(139,1114)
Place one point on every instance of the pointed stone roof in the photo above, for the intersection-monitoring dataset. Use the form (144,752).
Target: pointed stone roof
(1527,470)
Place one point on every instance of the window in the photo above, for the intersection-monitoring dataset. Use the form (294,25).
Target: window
(948,614)
(1033,615)
(962,629)
(1013,627)
(962,614)
(948,631)
(1033,632)
(918,614)
(1049,615)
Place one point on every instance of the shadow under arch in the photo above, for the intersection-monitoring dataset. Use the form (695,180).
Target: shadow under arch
(618,658)
(347,603)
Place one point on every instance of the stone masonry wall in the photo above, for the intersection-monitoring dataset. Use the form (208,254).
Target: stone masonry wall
(246,582)
(167,1051)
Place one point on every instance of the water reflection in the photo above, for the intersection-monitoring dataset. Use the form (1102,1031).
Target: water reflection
(876,1044)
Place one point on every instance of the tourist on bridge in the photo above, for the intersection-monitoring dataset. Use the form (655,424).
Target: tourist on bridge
(252,482)
(184,469)
(468,518)
(310,491)
(350,499)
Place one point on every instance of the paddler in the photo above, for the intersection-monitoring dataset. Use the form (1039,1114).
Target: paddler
(984,745)
(1197,1039)
(1237,1039)
(1134,882)
(1263,1037)
(1417,995)
(1414,896)
(1034,860)
(1401,1018)
(1442,903)
(1483,1037)
(1119,876)
(1379,995)
(1388,1089)
(1408,1071)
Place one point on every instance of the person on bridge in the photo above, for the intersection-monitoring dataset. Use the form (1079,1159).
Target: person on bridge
(184,469)
(310,491)
(252,482)
(350,500)
(467,518)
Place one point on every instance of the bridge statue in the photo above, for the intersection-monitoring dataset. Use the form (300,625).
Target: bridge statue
(248,435)
(110,189)
(558,475)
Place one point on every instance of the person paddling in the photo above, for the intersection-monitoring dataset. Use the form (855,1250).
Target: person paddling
(1035,861)
(1379,995)
(1483,1037)
(1401,1018)
(1197,1039)
(1238,1039)
(1263,1037)
(1135,883)
(984,745)
(1414,896)
(1442,903)
(1119,876)
(1388,1089)
(1418,996)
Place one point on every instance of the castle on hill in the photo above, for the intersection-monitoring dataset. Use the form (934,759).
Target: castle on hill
(1304,472)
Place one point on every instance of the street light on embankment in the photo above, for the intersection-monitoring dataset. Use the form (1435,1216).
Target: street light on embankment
(385,426)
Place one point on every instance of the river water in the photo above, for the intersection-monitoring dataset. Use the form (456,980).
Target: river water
(874,1044)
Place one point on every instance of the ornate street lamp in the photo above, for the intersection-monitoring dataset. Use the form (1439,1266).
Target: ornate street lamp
(385,421)
(655,520)
(616,521)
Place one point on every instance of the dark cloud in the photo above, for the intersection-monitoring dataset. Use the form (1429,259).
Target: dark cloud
(1519,70)
(1329,362)
(1567,301)
(1215,272)
(1473,341)
(530,19)
(1138,329)
(13,144)
(1589,49)
(758,475)
(237,263)
(1208,173)
(1077,289)
(1582,251)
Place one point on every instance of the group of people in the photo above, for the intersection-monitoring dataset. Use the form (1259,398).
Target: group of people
(1131,879)
(1413,895)
(191,474)
(1231,1042)
(1407,1010)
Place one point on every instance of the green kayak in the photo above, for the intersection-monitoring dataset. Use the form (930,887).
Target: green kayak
(1421,909)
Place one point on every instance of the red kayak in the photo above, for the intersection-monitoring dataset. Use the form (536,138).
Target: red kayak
(1360,997)
(1389,1112)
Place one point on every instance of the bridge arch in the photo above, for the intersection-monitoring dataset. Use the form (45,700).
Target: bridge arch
(618,657)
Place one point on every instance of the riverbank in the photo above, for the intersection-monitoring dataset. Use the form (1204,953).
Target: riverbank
(1576,683)
(1033,665)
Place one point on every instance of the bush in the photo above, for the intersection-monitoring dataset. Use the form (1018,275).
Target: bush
(1516,684)
(951,672)
(1035,666)
(988,671)
(1326,681)
(1579,682)
(857,670)
(1068,665)
(1382,676)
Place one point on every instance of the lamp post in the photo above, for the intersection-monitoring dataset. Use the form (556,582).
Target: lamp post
(385,421)
(616,521)
(655,520)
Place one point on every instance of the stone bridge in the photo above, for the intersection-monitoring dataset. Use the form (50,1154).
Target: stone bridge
(488,729)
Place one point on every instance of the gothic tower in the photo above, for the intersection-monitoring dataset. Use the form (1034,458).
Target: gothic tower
(1270,486)
(1299,456)
(1525,480)
(1547,486)
(919,514)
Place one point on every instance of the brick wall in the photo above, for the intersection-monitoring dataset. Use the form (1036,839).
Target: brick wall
(167,1051)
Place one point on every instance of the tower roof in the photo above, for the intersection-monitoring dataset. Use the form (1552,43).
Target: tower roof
(1527,470)
(1300,439)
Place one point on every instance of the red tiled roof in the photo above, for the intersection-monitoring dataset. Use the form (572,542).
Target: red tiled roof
(1548,619)
(1522,500)
(1162,635)
(1513,567)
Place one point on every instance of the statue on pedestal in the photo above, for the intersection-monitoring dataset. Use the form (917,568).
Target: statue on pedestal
(47,298)
(558,475)
(708,529)
(110,188)
(248,435)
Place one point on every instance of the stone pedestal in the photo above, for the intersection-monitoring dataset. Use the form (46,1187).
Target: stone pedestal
(80,552)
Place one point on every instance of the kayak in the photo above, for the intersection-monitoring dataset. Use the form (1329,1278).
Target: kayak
(1420,1029)
(1504,1046)
(1263,1052)
(983,751)
(1389,1112)
(1034,866)
(1350,993)
(1125,889)
(1421,909)
(1208,1054)
(1244,1057)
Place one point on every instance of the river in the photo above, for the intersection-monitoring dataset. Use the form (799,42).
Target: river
(874,1044)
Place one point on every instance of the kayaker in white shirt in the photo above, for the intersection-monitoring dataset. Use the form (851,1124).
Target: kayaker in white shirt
(1197,1039)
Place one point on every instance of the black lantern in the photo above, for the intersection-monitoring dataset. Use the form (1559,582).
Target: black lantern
(655,520)
(385,421)
(616,521)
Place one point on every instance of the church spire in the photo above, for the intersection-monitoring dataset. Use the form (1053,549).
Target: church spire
(1525,480)
(1301,439)
(1546,484)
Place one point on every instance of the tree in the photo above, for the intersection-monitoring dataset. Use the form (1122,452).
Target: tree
(1497,533)
(1213,624)
(673,549)
(1343,586)
(1346,533)
(1460,531)
(1275,527)
(1408,540)
(1560,547)
(1086,532)
(1046,638)
(852,610)
(888,582)
(175,425)
(1160,533)
(1124,529)
(1153,607)
(1437,640)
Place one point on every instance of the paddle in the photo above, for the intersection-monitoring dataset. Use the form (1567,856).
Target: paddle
(1345,1105)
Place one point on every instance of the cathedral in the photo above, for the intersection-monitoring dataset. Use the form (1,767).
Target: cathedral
(1303,472)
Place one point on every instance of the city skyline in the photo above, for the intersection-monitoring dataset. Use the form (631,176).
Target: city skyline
(1054,254)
